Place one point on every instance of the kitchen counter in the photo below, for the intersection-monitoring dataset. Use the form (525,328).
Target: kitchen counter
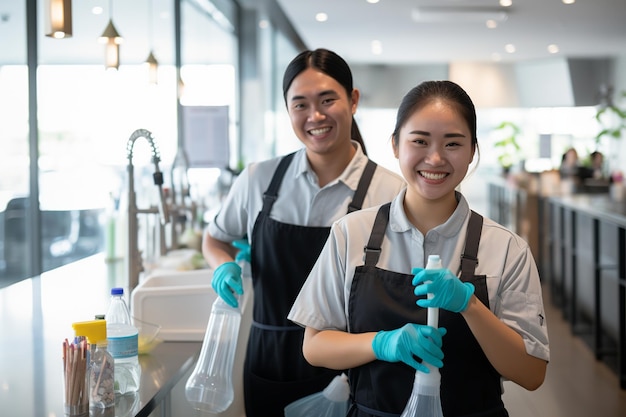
(586,247)
(36,316)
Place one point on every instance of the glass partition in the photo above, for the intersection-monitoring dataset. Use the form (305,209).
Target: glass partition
(86,114)
(14,136)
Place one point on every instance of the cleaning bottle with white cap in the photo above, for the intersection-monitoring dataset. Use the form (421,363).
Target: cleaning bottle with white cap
(425,399)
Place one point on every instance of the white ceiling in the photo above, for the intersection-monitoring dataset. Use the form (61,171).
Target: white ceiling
(585,29)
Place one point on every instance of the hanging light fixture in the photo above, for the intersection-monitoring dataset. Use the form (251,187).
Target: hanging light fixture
(58,18)
(151,61)
(112,39)
(153,69)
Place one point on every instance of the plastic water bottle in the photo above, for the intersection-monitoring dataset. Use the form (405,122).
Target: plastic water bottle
(425,399)
(123,343)
(210,386)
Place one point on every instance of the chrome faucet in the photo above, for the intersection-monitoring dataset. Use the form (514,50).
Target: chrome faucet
(135,261)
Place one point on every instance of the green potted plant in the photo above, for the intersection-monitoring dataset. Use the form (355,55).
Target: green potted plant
(612,119)
(508,148)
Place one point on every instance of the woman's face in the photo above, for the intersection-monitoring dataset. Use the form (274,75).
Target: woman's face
(320,110)
(434,151)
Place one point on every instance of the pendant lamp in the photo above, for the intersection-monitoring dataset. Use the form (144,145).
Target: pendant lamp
(112,40)
(153,69)
(58,18)
(151,61)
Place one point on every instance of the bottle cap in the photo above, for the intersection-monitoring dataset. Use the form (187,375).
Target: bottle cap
(434,258)
(94,330)
(117,291)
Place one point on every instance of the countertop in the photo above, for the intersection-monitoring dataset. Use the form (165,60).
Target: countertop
(36,316)
(601,206)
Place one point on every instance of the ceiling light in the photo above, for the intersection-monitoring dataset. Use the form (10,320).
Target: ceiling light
(510,48)
(458,14)
(321,17)
(491,24)
(59,18)
(372,1)
(151,61)
(377,47)
(506,3)
(553,48)
(112,39)
(153,69)
(569,1)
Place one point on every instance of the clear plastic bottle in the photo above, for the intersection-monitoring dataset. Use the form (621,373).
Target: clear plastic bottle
(425,399)
(101,364)
(210,386)
(331,402)
(123,343)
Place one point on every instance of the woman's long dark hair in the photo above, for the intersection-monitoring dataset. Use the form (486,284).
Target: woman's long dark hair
(330,64)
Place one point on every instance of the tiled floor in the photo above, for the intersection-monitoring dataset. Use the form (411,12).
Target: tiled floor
(576,384)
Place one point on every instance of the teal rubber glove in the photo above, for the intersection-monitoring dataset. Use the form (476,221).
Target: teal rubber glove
(447,289)
(244,250)
(409,341)
(227,281)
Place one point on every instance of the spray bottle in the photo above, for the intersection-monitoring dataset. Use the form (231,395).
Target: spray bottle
(425,400)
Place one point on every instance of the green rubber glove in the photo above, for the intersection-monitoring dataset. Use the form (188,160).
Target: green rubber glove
(244,250)
(447,289)
(409,341)
(227,281)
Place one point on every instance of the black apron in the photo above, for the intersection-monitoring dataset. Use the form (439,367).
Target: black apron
(282,255)
(384,300)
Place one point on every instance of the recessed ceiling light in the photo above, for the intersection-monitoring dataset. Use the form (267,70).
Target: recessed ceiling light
(510,48)
(506,3)
(377,47)
(321,17)
(97,10)
(569,1)
(491,24)
(553,48)
(264,24)
(372,1)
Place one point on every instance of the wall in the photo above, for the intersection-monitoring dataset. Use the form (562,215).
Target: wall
(489,85)
(383,86)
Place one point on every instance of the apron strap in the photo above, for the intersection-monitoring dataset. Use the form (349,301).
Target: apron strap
(372,250)
(361,189)
(271,194)
(276,328)
(469,258)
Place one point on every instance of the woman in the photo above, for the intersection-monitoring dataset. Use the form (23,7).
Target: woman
(359,302)
(286,206)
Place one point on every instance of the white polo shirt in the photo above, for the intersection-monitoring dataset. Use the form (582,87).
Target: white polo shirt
(512,278)
(300,199)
